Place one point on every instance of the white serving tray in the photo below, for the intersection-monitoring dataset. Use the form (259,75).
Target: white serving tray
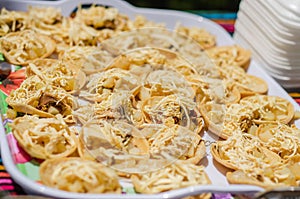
(170,18)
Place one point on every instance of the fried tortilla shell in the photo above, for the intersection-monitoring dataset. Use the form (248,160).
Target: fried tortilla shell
(34,97)
(174,176)
(280,138)
(178,142)
(202,36)
(40,65)
(79,175)
(128,149)
(269,108)
(214,116)
(12,21)
(45,15)
(293,164)
(91,59)
(246,115)
(245,152)
(282,177)
(246,83)
(230,55)
(163,38)
(253,85)
(22,47)
(170,110)
(102,85)
(44,138)
(214,90)
(59,73)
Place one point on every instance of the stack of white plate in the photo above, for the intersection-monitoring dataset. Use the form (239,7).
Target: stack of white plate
(271,30)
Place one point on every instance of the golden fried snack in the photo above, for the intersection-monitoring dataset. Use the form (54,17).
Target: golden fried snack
(247,84)
(177,142)
(117,135)
(102,27)
(91,59)
(246,115)
(213,115)
(44,138)
(162,71)
(151,58)
(280,138)
(114,106)
(102,85)
(230,56)
(67,32)
(245,152)
(83,150)
(164,39)
(202,36)
(294,166)
(254,163)
(45,15)
(80,34)
(141,22)
(34,97)
(174,176)
(214,90)
(100,17)
(170,110)
(117,145)
(78,175)
(108,22)
(223,120)
(47,21)
(128,149)
(59,73)
(12,21)
(21,47)
(271,178)
(166,87)
(269,108)
(255,110)
(286,174)
(40,65)
(165,82)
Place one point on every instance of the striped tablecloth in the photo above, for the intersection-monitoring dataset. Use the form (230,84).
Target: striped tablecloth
(226,20)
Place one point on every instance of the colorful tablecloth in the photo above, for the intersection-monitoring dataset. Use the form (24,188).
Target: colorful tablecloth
(226,20)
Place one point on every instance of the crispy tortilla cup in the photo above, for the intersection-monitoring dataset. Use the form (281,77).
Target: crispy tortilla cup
(178,175)
(79,175)
(44,138)
(20,48)
(230,55)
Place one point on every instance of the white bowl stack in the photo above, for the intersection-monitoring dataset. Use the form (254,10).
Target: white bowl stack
(271,30)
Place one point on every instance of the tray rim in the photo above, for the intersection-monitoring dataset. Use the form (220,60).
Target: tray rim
(33,187)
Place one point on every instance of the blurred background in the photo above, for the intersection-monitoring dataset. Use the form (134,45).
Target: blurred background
(223,12)
(220,5)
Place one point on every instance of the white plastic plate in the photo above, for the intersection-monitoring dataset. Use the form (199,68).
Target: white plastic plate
(170,18)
